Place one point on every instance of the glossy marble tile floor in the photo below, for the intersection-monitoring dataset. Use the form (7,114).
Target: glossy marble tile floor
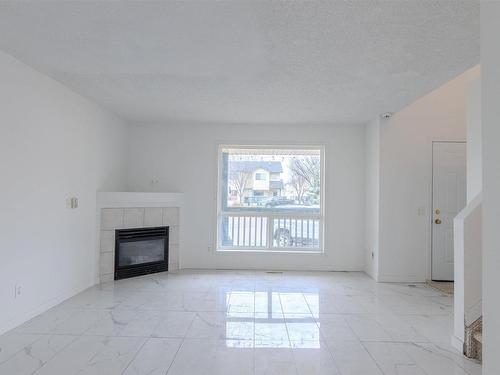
(230,322)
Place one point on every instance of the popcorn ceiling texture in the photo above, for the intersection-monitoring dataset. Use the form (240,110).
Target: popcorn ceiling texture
(246,62)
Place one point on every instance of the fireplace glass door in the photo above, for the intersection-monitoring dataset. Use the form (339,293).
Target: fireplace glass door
(141,251)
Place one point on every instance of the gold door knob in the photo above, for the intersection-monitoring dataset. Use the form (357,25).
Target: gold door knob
(437,221)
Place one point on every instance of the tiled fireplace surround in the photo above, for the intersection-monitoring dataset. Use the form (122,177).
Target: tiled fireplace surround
(136,210)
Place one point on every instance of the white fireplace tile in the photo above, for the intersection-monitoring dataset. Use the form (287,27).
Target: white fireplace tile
(111,218)
(173,254)
(137,217)
(173,266)
(173,235)
(106,278)
(133,217)
(107,241)
(171,216)
(153,216)
(107,263)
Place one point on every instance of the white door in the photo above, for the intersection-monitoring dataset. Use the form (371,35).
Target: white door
(448,199)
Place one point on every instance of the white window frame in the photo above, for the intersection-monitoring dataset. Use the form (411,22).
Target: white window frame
(270,248)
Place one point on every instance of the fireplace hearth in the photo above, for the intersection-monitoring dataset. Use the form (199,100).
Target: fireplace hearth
(140,251)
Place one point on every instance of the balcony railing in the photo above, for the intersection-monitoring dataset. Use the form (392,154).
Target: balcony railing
(270,232)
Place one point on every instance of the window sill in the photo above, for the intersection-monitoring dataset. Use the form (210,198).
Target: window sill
(266,251)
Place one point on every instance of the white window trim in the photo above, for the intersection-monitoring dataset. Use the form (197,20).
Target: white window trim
(321,216)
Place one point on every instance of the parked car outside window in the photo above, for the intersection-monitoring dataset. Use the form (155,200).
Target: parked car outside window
(278,201)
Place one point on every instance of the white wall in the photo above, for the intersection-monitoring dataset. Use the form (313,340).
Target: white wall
(406,177)
(474,141)
(53,145)
(183,158)
(467,301)
(467,225)
(372,196)
(490,63)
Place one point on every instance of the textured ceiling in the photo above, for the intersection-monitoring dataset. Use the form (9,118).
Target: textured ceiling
(246,61)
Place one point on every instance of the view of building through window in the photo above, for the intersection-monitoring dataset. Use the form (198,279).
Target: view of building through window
(270,198)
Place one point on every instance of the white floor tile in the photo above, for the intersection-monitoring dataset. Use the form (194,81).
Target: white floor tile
(94,355)
(174,324)
(392,358)
(35,355)
(154,358)
(214,357)
(275,361)
(335,327)
(241,322)
(313,359)
(352,358)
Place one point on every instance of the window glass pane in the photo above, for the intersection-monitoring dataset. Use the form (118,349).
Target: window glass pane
(271,179)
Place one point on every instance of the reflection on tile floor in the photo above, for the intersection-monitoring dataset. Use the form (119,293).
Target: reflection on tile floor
(230,322)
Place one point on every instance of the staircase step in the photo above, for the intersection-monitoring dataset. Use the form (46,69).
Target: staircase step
(478,336)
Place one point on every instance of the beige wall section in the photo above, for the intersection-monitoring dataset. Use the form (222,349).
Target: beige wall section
(474,141)
(406,176)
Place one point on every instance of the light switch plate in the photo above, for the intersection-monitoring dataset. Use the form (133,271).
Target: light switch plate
(72,203)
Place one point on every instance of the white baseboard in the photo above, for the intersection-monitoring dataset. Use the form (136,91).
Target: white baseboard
(275,268)
(23,317)
(400,279)
(457,343)
(370,275)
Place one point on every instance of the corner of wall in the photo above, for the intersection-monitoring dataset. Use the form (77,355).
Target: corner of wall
(372,196)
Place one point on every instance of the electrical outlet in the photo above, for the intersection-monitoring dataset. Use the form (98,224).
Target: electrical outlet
(209,248)
(17,291)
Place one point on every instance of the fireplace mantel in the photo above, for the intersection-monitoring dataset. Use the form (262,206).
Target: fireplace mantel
(106,199)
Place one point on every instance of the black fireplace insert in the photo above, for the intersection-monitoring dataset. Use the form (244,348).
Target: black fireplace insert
(140,251)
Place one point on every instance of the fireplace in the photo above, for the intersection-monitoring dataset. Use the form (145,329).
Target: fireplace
(140,251)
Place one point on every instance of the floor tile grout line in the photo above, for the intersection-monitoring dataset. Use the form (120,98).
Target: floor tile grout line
(374,360)
(175,355)
(38,337)
(419,345)
(440,316)
(135,356)
(55,354)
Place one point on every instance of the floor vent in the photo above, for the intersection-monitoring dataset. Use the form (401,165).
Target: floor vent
(274,271)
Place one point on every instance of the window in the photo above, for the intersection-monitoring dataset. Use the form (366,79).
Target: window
(270,198)
(260,176)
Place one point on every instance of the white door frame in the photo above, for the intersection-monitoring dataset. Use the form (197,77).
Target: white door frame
(431,211)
